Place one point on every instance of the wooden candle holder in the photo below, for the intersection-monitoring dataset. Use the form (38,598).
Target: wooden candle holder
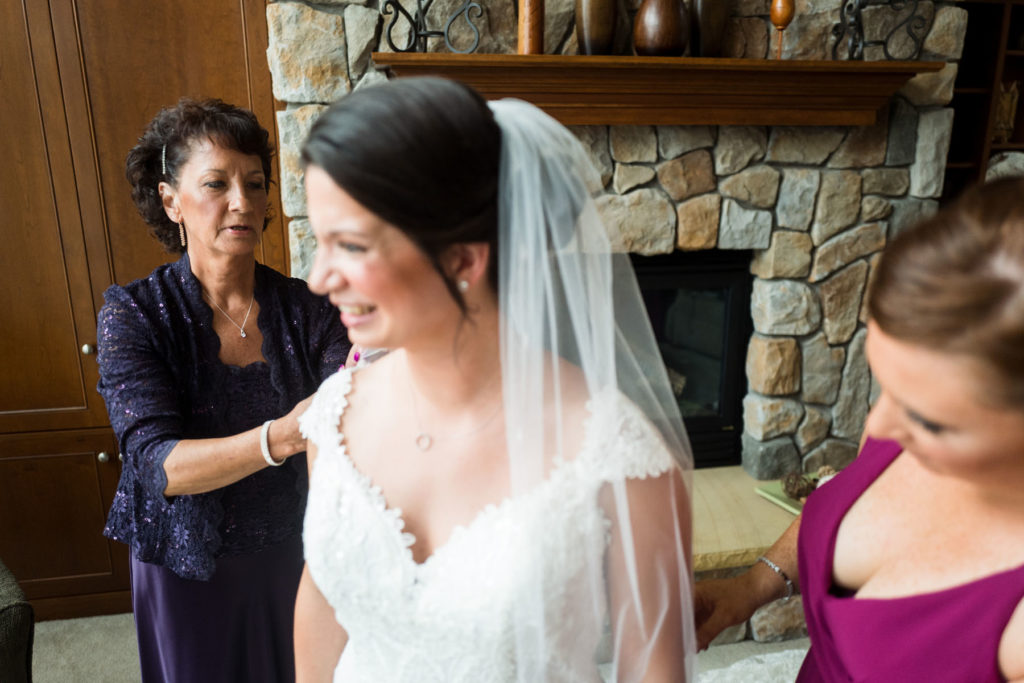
(531,27)
(781,13)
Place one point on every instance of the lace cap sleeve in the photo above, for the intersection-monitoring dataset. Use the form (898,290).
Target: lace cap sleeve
(319,423)
(622,443)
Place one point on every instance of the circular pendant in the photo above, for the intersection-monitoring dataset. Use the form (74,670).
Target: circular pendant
(424,442)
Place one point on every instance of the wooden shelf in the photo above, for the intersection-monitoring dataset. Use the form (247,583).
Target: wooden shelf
(676,90)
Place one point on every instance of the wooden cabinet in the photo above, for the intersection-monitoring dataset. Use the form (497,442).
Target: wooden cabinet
(57,488)
(993,57)
(81,81)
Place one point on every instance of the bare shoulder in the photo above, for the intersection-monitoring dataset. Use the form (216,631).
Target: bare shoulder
(1011,647)
(573,386)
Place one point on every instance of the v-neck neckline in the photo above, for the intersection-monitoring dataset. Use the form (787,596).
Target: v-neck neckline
(408,540)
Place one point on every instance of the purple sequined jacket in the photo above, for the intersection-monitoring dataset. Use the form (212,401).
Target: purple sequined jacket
(162,381)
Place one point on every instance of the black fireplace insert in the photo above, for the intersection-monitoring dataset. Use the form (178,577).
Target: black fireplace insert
(699,306)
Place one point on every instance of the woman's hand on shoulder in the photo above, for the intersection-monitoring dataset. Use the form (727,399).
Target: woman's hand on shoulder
(285,439)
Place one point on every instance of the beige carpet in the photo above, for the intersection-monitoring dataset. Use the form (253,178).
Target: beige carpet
(92,650)
(103,650)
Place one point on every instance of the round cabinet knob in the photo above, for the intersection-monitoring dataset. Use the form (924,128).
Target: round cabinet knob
(102,456)
(88,349)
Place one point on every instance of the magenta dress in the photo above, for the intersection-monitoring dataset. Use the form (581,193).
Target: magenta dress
(946,635)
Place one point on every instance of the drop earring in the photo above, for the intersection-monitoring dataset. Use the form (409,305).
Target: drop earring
(181,234)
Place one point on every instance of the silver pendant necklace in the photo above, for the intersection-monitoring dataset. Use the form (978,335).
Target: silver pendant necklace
(424,440)
(241,328)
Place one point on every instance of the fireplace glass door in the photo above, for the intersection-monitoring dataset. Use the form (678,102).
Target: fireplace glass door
(699,307)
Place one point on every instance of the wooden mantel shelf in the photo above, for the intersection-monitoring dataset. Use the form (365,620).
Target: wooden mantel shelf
(580,90)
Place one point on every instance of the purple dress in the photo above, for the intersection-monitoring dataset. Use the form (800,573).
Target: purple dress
(945,635)
(214,575)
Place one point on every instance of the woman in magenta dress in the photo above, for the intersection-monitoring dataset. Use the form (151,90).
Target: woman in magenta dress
(911,561)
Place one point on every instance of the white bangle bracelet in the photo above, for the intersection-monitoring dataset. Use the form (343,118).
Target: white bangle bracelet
(265,447)
(778,570)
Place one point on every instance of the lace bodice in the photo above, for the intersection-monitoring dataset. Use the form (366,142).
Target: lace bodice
(451,618)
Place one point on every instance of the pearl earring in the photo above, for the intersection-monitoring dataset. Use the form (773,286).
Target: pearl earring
(463,285)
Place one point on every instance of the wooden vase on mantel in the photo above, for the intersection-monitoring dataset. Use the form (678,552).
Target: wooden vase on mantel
(707,26)
(781,13)
(595,26)
(661,28)
(531,27)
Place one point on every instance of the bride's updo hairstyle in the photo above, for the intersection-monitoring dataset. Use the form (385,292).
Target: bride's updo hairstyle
(955,283)
(423,155)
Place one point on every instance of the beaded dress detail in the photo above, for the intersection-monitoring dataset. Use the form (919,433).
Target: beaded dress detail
(451,618)
(162,381)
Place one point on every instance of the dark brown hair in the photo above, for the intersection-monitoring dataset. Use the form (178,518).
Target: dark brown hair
(955,283)
(171,135)
(421,153)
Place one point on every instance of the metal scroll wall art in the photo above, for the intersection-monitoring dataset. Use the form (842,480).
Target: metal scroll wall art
(419,33)
(908,33)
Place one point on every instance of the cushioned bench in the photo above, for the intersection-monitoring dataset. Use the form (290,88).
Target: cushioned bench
(17,627)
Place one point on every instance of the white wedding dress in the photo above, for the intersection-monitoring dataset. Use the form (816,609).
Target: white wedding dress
(451,618)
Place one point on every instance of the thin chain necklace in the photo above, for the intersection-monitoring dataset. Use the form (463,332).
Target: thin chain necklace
(241,328)
(424,440)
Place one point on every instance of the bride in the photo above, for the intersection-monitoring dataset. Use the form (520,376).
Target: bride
(503,496)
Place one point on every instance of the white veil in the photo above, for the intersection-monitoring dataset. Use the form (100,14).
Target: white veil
(564,296)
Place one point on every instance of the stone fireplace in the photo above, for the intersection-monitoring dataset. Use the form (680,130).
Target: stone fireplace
(815,205)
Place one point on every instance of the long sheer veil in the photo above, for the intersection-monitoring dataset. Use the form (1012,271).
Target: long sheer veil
(569,304)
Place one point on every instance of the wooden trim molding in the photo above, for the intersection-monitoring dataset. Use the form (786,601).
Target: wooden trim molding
(589,90)
(77,606)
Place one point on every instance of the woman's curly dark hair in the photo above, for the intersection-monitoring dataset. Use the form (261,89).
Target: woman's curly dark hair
(177,128)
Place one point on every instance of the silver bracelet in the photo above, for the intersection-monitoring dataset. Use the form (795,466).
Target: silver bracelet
(778,570)
(265,446)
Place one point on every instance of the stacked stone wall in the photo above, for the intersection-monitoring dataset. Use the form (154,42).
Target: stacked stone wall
(815,204)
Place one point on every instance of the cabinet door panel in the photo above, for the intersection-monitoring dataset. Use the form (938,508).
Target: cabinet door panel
(57,491)
(46,304)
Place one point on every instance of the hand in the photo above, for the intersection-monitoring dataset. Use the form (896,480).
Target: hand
(719,604)
(285,438)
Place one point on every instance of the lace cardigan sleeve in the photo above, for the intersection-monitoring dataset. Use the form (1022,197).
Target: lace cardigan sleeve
(138,387)
(332,339)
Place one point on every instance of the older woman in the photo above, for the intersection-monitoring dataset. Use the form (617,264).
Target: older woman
(205,366)
(911,561)
(501,497)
